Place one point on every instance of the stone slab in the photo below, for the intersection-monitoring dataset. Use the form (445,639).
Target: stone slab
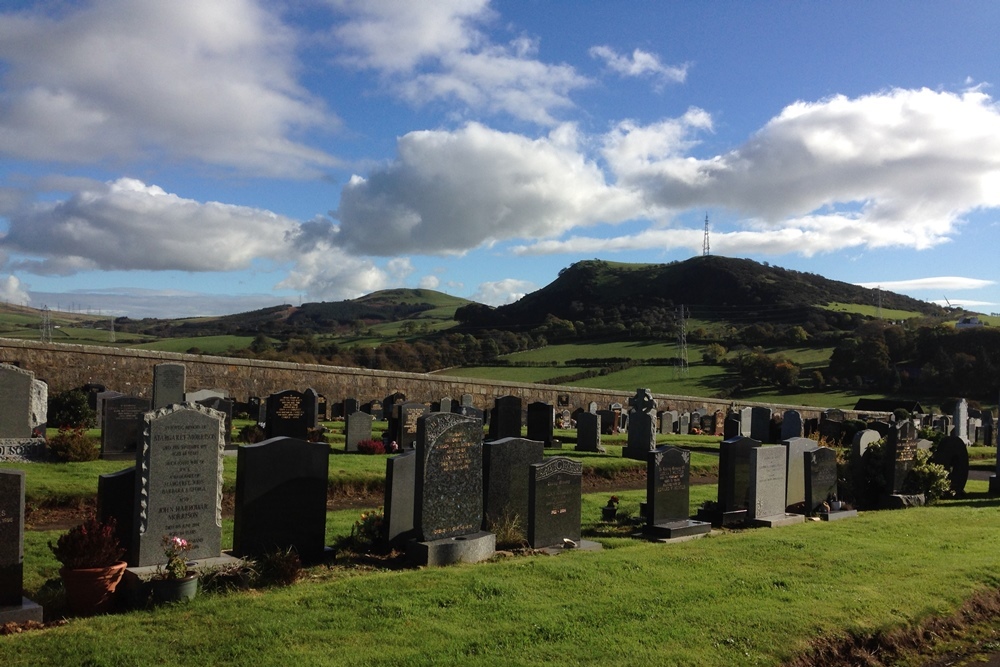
(777,520)
(675,529)
(22,613)
(472,548)
(838,515)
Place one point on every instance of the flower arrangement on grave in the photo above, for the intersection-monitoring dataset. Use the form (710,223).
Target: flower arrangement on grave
(368,528)
(176,550)
(92,544)
(610,511)
(613,501)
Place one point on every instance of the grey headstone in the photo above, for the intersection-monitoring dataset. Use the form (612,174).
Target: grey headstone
(862,440)
(310,400)
(357,427)
(592,408)
(169,380)
(448,501)
(961,419)
(99,403)
(588,433)
(554,502)
(507,424)
(400,485)
(467,400)
(791,425)
(445,404)
(39,409)
(121,431)
(746,421)
(767,481)
(820,477)
(15,402)
(505,480)
(684,423)
(180,483)
(281,489)
(795,481)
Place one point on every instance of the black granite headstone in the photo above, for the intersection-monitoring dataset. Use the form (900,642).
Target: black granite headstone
(899,459)
(116,500)
(507,421)
(540,423)
(588,433)
(554,502)
(820,477)
(287,415)
(11,537)
(281,488)
(668,471)
(952,453)
(406,416)
(121,430)
(448,500)
(505,480)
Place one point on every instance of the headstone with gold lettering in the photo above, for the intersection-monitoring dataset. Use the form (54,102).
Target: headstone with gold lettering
(179,485)
(448,492)
(14,608)
(288,415)
(554,502)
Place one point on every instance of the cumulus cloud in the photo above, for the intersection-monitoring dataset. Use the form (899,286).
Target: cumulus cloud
(328,273)
(122,79)
(430,282)
(437,51)
(11,291)
(128,225)
(502,292)
(448,192)
(936,283)
(640,64)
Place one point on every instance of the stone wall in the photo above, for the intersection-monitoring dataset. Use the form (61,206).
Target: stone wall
(130,371)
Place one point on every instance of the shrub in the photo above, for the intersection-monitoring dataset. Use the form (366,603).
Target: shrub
(72,444)
(278,568)
(70,408)
(250,434)
(317,435)
(371,447)
(930,479)
(92,544)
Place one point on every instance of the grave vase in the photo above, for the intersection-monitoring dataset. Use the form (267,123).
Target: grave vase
(174,590)
(609,513)
(90,591)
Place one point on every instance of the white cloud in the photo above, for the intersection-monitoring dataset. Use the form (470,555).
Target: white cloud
(329,274)
(436,51)
(129,225)
(121,79)
(503,291)
(11,291)
(639,64)
(962,303)
(139,302)
(449,192)
(936,283)
(430,282)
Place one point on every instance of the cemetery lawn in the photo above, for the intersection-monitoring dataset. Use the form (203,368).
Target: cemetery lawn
(747,597)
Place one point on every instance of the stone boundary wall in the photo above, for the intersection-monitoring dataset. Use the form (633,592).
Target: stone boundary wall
(130,371)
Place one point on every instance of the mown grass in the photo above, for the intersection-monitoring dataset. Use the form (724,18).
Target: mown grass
(207,344)
(872,311)
(751,597)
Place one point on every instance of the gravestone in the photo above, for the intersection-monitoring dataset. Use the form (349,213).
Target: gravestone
(15,402)
(953,454)
(732,427)
(445,404)
(642,426)
(862,440)
(607,421)
(791,425)
(357,427)
(766,506)
(540,424)
(225,406)
(448,497)
(288,416)
(720,422)
(592,407)
(961,419)
(116,500)
(995,477)
(795,483)
(746,421)
(179,487)
(310,400)
(122,429)
(734,483)
(281,487)
(406,416)
(350,406)
(760,424)
(900,453)
(168,384)
(506,420)
(505,481)
(99,401)
(684,423)
(38,408)
(203,395)
(588,433)
(14,607)
(882,428)
(668,423)
(668,495)
(820,478)
(989,429)
(554,502)
(616,417)
(400,485)
(389,412)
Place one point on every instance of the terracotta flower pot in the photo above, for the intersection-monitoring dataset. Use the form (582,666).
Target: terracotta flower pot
(174,590)
(91,591)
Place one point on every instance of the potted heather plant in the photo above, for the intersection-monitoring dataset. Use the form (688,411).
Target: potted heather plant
(92,565)
(173,581)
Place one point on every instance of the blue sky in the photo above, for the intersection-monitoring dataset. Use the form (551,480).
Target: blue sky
(188,157)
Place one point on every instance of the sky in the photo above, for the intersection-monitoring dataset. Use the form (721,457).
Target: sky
(172,159)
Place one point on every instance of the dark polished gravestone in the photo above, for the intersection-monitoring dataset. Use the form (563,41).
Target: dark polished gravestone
(505,482)
(641,426)
(767,488)
(448,496)
(554,502)
(289,414)
(668,495)
(400,485)
(820,471)
(121,430)
(899,457)
(281,487)
(168,384)
(14,607)
(953,454)
(995,477)
(506,419)
(357,427)
(588,433)
(791,425)
(760,424)
(405,417)
(734,483)
(540,423)
(116,500)
(179,485)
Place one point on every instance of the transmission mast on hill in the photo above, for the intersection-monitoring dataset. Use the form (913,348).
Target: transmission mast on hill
(706,247)
(682,342)
(46,325)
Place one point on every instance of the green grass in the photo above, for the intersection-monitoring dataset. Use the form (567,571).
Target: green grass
(751,597)
(872,311)
(207,344)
